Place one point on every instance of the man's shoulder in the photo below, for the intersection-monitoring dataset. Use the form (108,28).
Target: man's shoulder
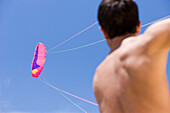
(134,41)
(132,46)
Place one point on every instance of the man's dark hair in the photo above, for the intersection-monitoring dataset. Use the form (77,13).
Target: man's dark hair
(118,17)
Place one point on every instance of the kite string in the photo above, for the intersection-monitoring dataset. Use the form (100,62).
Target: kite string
(61,51)
(155,21)
(73,36)
(63,95)
(68,93)
(71,101)
(78,47)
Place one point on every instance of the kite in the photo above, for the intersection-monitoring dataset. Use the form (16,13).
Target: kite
(38,60)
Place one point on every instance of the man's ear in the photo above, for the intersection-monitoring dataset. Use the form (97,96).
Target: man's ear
(138,27)
(104,33)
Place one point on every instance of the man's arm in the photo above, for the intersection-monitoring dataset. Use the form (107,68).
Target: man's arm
(157,36)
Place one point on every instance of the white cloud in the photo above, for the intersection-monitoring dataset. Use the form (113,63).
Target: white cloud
(7,82)
(4,85)
(60,111)
(4,105)
(63,111)
(15,112)
(67,109)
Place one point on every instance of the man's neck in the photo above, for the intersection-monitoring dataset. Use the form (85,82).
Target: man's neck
(116,42)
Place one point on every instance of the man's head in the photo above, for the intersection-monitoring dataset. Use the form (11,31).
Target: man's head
(118,17)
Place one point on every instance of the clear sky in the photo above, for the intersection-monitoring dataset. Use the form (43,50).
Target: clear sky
(24,23)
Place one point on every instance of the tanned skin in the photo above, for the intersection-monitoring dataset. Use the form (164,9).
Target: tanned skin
(132,78)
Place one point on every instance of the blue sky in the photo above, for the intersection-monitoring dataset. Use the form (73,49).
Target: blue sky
(24,23)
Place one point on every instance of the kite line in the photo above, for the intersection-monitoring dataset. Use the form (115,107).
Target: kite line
(73,36)
(61,92)
(61,51)
(69,93)
(71,101)
(78,47)
(156,21)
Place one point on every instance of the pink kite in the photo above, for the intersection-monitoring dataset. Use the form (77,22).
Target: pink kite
(38,60)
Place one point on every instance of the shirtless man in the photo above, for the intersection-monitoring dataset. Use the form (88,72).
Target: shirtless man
(132,78)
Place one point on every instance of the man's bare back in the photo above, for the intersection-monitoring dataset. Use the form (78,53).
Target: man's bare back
(132,78)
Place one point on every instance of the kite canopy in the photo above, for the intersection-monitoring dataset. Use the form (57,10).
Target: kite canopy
(38,60)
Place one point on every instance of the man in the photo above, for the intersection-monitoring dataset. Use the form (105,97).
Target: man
(132,78)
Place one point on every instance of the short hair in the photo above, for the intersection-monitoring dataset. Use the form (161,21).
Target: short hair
(118,17)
